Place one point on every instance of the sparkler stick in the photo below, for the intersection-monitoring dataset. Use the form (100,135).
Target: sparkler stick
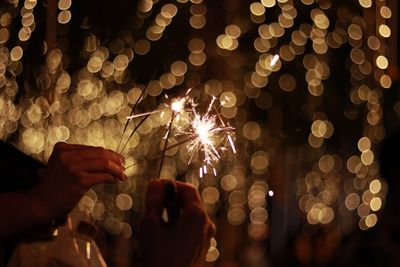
(143,114)
(134,130)
(165,144)
(201,135)
(160,152)
(177,106)
(129,119)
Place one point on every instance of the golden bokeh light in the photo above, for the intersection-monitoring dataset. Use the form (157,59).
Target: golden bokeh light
(300,86)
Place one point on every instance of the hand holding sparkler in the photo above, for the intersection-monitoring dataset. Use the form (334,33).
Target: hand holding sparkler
(70,172)
(168,245)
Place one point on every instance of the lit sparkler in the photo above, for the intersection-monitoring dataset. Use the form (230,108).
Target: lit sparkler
(177,106)
(203,135)
(129,118)
(205,130)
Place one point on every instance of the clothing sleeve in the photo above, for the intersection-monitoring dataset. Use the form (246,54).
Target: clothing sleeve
(18,171)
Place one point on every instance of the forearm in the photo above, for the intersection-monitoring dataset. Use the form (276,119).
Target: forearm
(21,212)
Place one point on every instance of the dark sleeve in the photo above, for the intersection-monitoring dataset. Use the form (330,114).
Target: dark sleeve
(18,171)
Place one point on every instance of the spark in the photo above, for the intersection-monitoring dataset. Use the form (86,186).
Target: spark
(205,131)
(231,143)
(274,60)
(177,107)
(178,104)
(142,114)
(203,136)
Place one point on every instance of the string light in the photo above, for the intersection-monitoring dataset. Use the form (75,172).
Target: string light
(269,74)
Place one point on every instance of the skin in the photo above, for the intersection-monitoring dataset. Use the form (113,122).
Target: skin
(70,172)
(188,237)
(73,169)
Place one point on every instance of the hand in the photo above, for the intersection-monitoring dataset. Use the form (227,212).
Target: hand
(70,172)
(183,242)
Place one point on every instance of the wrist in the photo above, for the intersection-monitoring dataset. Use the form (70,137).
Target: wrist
(40,208)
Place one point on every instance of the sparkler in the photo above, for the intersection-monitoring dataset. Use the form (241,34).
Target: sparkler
(160,152)
(202,136)
(134,130)
(143,114)
(204,131)
(177,106)
(129,118)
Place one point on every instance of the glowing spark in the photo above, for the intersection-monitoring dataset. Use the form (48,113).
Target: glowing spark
(178,104)
(204,129)
(177,107)
(203,136)
(142,114)
(271,193)
(232,144)
(204,133)
(211,105)
(274,60)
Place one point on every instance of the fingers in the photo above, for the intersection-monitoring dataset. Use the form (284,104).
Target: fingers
(164,238)
(188,194)
(89,165)
(154,202)
(89,180)
(101,165)
(192,213)
(82,152)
